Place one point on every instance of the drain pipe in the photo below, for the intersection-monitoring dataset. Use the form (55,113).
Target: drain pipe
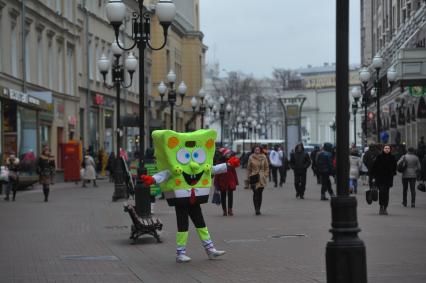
(88,102)
(24,59)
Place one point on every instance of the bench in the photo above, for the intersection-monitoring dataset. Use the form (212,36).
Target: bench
(146,225)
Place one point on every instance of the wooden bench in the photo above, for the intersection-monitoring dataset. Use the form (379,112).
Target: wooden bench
(141,226)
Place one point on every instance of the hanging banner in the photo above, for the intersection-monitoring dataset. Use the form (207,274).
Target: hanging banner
(417,91)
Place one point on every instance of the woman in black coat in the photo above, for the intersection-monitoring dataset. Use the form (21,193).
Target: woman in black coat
(384,168)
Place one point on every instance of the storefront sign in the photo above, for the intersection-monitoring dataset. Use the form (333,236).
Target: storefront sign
(417,90)
(23,97)
(72,120)
(98,99)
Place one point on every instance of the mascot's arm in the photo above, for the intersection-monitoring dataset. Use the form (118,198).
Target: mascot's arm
(158,178)
(219,168)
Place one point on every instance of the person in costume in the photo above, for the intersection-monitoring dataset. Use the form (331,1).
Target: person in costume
(185,165)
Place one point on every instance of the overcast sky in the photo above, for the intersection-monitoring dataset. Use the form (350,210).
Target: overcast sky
(256,36)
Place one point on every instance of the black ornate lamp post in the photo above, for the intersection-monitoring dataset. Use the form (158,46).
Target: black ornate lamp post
(364,77)
(345,252)
(118,82)
(141,29)
(171,93)
(222,110)
(202,108)
(377,65)
(356,96)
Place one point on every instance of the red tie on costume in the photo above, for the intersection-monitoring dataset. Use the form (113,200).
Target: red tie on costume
(192,199)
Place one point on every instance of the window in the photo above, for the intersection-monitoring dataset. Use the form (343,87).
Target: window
(70,70)
(40,59)
(59,7)
(90,59)
(50,65)
(60,70)
(28,130)
(109,75)
(70,10)
(27,47)
(97,56)
(14,51)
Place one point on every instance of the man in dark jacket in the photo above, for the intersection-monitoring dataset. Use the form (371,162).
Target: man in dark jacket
(368,160)
(325,169)
(300,162)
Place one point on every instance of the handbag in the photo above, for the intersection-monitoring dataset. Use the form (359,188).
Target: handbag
(402,165)
(368,196)
(216,197)
(254,179)
(421,187)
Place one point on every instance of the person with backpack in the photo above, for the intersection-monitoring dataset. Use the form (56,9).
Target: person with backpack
(325,169)
(300,162)
(409,175)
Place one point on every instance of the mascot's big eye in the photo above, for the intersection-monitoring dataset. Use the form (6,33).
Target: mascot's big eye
(183,156)
(199,155)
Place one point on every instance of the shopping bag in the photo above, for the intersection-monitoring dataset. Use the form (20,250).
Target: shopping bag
(216,197)
(4,174)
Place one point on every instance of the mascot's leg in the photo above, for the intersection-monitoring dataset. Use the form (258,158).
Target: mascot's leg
(202,231)
(181,240)
(182,234)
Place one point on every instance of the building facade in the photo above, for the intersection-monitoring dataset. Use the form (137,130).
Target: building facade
(396,30)
(50,81)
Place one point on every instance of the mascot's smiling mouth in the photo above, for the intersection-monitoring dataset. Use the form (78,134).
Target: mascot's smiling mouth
(192,179)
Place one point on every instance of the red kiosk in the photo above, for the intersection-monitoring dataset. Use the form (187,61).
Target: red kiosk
(72,161)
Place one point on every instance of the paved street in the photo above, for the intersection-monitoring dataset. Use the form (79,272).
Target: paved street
(81,236)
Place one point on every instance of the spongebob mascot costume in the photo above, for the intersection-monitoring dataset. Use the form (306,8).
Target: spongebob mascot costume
(185,165)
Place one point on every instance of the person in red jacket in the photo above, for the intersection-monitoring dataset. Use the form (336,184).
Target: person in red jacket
(226,182)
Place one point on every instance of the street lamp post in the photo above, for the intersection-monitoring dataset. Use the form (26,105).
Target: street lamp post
(202,108)
(118,80)
(345,252)
(116,12)
(171,93)
(364,76)
(355,95)
(377,65)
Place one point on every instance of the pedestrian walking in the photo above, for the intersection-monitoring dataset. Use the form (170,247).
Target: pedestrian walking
(89,166)
(258,165)
(300,162)
(364,169)
(12,164)
(410,174)
(354,170)
(276,159)
(383,171)
(325,169)
(46,170)
(368,159)
(110,167)
(226,182)
(421,148)
(284,167)
(313,157)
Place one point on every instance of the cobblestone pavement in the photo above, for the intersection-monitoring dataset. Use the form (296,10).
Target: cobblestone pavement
(81,236)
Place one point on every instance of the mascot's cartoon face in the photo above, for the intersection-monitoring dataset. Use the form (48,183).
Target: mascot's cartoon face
(188,156)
